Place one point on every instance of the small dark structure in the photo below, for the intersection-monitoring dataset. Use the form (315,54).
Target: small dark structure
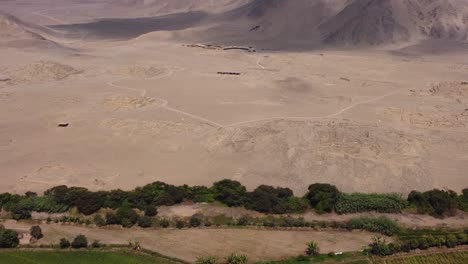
(63,124)
(229,73)
(345,79)
(4,78)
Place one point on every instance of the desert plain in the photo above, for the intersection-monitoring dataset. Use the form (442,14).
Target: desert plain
(149,105)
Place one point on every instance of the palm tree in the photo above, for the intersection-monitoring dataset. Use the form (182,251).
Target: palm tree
(312,249)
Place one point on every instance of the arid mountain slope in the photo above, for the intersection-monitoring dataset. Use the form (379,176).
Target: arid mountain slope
(16,33)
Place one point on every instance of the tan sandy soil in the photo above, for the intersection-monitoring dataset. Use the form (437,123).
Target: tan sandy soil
(188,244)
(148,109)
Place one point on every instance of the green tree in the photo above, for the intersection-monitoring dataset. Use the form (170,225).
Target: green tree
(36,232)
(8,239)
(229,192)
(322,197)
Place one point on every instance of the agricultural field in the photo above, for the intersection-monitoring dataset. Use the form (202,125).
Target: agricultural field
(437,258)
(78,257)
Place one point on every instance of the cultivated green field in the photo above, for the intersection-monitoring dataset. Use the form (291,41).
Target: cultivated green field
(439,258)
(78,257)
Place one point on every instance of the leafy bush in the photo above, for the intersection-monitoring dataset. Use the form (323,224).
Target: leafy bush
(36,232)
(379,247)
(80,241)
(180,224)
(463,200)
(381,225)
(111,219)
(360,202)
(235,258)
(99,221)
(8,238)
(229,192)
(164,223)
(151,211)
(312,249)
(322,197)
(436,202)
(126,216)
(96,244)
(20,213)
(145,221)
(243,220)
(207,260)
(64,243)
(196,220)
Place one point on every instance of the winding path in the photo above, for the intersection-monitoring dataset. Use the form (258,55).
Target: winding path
(165,104)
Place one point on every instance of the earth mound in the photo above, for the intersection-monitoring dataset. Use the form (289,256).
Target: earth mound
(42,71)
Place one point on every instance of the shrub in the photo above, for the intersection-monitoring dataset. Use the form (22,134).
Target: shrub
(235,258)
(164,223)
(111,219)
(96,244)
(312,249)
(322,197)
(195,220)
(180,224)
(99,221)
(229,192)
(379,247)
(151,211)
(20,213)
(145,221)
(64,243)
(8,238)
(80,241)
(360,202)
(126,216)
(463,200)
(436,202)
(243,220)
(207,260)
(451,241)
(381,225)
(36,232)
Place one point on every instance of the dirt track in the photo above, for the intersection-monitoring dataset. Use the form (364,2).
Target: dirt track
(188,244)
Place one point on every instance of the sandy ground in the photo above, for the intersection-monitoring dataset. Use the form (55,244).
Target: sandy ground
(188,244)
(147,110)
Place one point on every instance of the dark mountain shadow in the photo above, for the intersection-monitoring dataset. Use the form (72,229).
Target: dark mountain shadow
(129,28)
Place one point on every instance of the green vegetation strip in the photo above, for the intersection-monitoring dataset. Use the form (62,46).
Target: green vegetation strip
(79,257)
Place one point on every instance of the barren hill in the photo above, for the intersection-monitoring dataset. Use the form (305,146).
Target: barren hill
(16,33)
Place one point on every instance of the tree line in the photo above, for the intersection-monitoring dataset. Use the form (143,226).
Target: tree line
(324,198)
